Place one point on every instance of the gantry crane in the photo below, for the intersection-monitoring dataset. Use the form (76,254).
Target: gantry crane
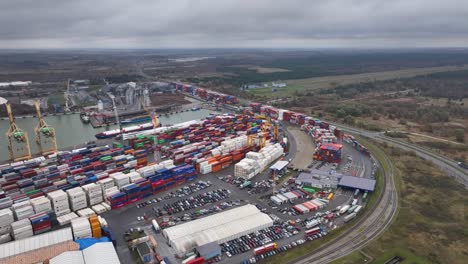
(45,135)
(18,142)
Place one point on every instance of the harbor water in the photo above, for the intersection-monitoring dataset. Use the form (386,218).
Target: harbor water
(72,132)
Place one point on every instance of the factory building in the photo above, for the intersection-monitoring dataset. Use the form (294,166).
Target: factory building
(219,228)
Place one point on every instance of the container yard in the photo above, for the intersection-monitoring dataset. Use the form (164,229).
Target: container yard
(203,190)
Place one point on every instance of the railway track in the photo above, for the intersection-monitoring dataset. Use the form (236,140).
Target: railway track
(368,227)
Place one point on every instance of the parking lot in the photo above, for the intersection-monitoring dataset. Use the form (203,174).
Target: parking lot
(213,193)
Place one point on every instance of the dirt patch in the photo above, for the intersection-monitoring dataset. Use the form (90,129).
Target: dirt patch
(305,148)
(165,99)
(267,70)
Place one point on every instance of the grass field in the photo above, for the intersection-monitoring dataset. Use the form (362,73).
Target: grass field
(431,223)
(317,83)
(56,98)
(281,92)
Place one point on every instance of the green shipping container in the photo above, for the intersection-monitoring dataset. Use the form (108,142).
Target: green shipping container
(310,190)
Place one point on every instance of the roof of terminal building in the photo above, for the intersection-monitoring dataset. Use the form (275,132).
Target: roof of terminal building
(279,165)
(357,183)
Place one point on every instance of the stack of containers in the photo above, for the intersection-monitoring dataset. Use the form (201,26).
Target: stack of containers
(329,153)
(6,218)
(120,179)
(41,205)
(21,229)
(115,198)
(256,162)
(23,210)
(132,191)
(59,201)
(95,226)
(93,193)
(106,183)
(66,219)
(81,228)
(85,212)
(99,208)
(6,202)
(77,198)
(134,176)
(145,187)
(40,223)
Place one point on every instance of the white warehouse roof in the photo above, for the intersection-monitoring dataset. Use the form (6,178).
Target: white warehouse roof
(101,253)
(220,227)
(69,257)
(35,242)
(279,165)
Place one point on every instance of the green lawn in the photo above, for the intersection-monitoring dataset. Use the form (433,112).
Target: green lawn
(56,98)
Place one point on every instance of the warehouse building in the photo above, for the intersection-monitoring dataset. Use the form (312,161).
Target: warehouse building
(353,182)
(319,179)
(99,253)
(209,250)
(219,228)
(38,248)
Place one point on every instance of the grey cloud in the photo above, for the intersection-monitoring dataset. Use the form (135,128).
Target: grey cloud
(232,23)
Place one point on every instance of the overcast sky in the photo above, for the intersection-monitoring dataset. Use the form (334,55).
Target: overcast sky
(233,23)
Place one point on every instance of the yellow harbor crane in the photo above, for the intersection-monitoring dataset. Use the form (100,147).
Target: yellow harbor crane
(152,114)
(45,135)
(18,143)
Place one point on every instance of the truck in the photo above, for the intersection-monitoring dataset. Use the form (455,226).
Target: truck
(245,184)
(344,209)
(312,223)
(349,217)
(187,260)
(155,226)
(266,248)
(364,196)
(356,192)
(352,208)
(313,231)
(354,202)
(199,260)
(463,165)
(358,209)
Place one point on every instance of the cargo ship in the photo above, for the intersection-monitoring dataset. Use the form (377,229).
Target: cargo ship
(137,119)
(114,132)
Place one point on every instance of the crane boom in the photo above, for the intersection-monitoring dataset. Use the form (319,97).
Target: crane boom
(45,135)
(18,143)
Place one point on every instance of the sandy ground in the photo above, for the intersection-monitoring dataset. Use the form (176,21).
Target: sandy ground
(305,148)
